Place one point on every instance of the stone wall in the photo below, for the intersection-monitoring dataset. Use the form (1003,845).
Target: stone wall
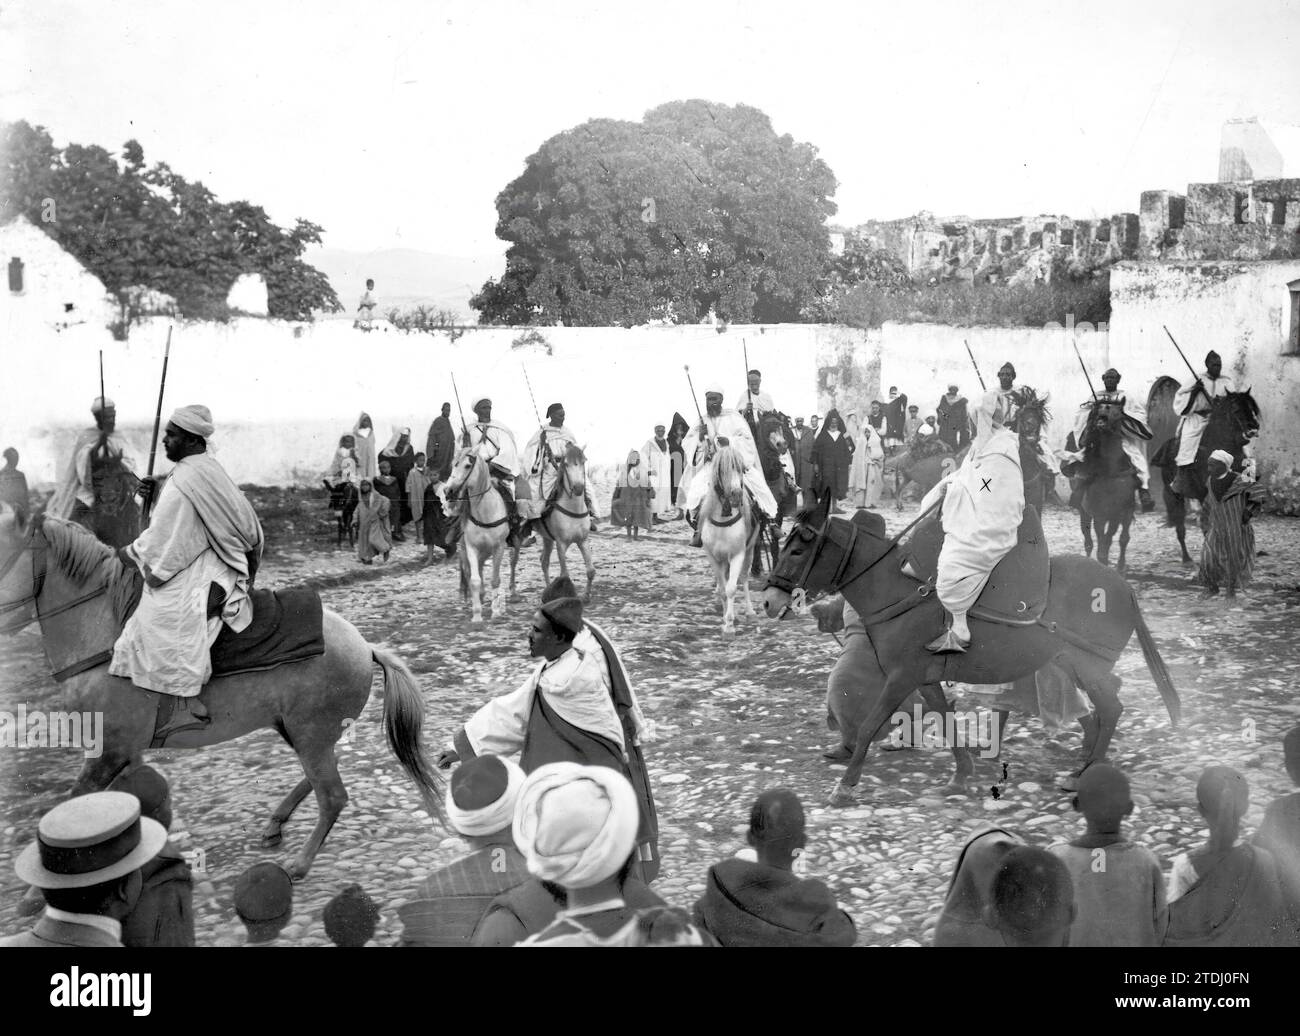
(43,284)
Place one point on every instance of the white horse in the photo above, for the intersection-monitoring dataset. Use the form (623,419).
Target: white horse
(729,532)
(485,525)
(566,521)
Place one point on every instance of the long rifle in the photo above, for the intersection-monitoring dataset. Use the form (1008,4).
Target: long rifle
(1085,369)
(101,377)
(545,447)
(1196,378)
(696,401)
(975,365)
(460,408)
(157,421)
(750,419)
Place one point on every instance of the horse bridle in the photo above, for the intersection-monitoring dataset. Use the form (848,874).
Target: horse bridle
(819,540)
(38,579)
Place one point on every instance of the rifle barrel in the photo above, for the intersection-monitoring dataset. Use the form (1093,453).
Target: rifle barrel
(1195,376)
(974,364)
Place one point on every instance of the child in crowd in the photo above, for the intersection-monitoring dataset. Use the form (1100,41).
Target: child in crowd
(264,902)
(1032,899)
(1119,891)
(350,917)
(417,481)
(964,920)
(1226,893)
(1280,831)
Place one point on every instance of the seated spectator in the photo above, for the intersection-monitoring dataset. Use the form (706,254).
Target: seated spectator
(763,903)
(963,921)
(576,826)
(164,915)
(87,858)
(350,917)
(1031,901)
(264,902)
(1119,890)
(1226,893)
(453,901)
(1280,831)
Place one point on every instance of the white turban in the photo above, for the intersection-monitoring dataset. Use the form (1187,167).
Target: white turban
(1223,456)
(195,419)
(576,825)
(101,404)
(481,399)
(714,389)
(925,429)
(492,780)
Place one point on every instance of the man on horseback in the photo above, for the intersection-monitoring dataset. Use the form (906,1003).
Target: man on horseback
(199,558)
(722,428)
(1193,403)
(496,447)
(1133,429)
(98,486)
(995,399)
(544,455)
(753,402)
(983,503)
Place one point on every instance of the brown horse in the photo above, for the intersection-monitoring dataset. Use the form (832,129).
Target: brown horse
(82,594)
(1090,616)
(1108,499)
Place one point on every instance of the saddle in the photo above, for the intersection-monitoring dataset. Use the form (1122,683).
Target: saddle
(287,626)
(1016,593)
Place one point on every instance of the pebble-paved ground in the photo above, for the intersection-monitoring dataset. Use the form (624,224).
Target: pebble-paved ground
(733,717)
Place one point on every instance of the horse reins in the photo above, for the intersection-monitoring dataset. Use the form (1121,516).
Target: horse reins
(38,586)
(823,534)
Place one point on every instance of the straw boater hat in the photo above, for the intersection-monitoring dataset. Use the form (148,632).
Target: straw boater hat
(90,840)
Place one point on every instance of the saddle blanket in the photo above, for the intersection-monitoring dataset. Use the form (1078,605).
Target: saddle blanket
(1016,590)
(287,626)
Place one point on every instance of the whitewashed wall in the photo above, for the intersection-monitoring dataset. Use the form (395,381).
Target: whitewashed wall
(52,281)
(1242,311)
(281,394)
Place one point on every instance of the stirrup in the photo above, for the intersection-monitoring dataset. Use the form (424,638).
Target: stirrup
(948,644)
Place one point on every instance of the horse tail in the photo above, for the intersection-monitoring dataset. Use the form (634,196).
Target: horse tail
(403,722)
(1159,671)
(462,564)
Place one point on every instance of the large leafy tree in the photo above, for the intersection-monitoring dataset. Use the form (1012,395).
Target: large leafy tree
(698,207)
(148,227)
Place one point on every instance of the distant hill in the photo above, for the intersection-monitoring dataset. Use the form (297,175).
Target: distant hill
(406,277)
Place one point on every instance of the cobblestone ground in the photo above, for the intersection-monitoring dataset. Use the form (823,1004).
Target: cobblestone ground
(733,716)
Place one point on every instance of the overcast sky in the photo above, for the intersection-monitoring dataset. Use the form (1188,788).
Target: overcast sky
(394,123)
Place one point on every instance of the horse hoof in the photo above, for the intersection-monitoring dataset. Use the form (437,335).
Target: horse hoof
(956,786)
(838,755)
(515,598)
(298,869)
(477,619)
(1069,783)
(841,797)
(272,840)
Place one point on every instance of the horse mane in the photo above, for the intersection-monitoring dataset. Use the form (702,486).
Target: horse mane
(1028,398)
(81,557)
(1245,398)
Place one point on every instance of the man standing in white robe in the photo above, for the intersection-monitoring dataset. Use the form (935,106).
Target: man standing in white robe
(204,535)
(658,461)
(983,503)
(1193,403)
(721,428)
